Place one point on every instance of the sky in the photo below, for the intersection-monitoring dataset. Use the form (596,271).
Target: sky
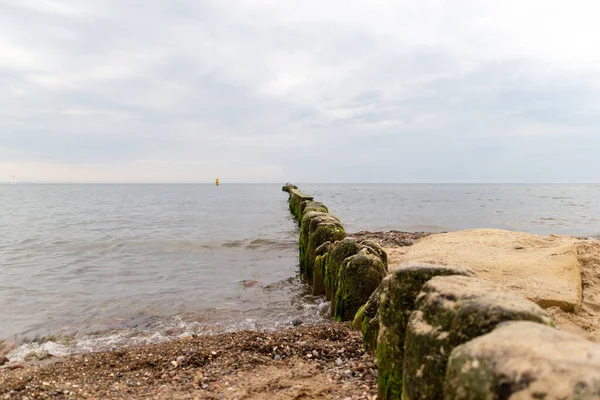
(303,91)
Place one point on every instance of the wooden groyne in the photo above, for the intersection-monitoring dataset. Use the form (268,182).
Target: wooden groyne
(440,332)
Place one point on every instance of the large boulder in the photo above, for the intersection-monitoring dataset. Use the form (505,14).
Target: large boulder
(524,360)
(450,311)
(545,269)
(399,292)
(358,278)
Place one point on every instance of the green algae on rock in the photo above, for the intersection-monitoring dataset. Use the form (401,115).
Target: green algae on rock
(322,229)
(358,278)
(322,254)
(307,206)
(450,311)
(341,250)
(524,360)
(397,301)
(296,199)
(304,239)
(367,317)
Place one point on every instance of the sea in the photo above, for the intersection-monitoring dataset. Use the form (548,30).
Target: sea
(95,267)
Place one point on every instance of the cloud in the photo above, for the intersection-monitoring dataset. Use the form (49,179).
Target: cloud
(265,90)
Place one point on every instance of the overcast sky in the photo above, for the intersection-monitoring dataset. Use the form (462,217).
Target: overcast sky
(308,91)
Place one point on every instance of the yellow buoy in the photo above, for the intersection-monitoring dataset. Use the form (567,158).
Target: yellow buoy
(217,182)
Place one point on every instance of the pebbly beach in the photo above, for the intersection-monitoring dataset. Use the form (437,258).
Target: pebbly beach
(411,314)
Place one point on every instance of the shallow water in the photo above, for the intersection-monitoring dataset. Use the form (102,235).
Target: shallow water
(88,267)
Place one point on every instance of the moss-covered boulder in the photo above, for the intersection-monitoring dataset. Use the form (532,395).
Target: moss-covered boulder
(303,240)
(366,319)
(296,200)
(450,311)
(397,302)
(307,206)
(323,228)
(288,187)
(358,278)
(338,253)
(321,256)
(524,360)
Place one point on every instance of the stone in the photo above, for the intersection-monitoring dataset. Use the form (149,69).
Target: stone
(338,253)
(316,229)
(450,311)
(310,205)
(321,255)
(524,360)
(366,319)
(296,199)
(398,295)
(358,278)
(544,269)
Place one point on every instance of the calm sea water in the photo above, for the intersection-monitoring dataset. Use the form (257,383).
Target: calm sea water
(87,267)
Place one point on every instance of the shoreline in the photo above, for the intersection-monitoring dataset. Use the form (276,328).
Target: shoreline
(111,373)
(289,362)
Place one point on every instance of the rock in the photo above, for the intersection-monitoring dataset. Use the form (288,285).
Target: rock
(367,318)
(4,360)
(308,206)
(544,269)
(180,359)
(358,278)
(297,322)
(306,261)
(323,228)
(315,354)
(397,302)
(338,253)
(348,372)
(453,310)
(296,199)
(339,362)
(524,360)
(277,357)
(288,187)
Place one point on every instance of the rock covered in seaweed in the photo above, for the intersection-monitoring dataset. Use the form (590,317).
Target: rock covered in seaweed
(544,363)
(323,228)
(397,302)
(343,249)
(367,317)
(358,277)
(450,311)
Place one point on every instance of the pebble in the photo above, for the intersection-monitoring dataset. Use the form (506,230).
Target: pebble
(205,386)
(277,357)
(339,362)
(348,372)
(315,353)
(297,322)
(180,359)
